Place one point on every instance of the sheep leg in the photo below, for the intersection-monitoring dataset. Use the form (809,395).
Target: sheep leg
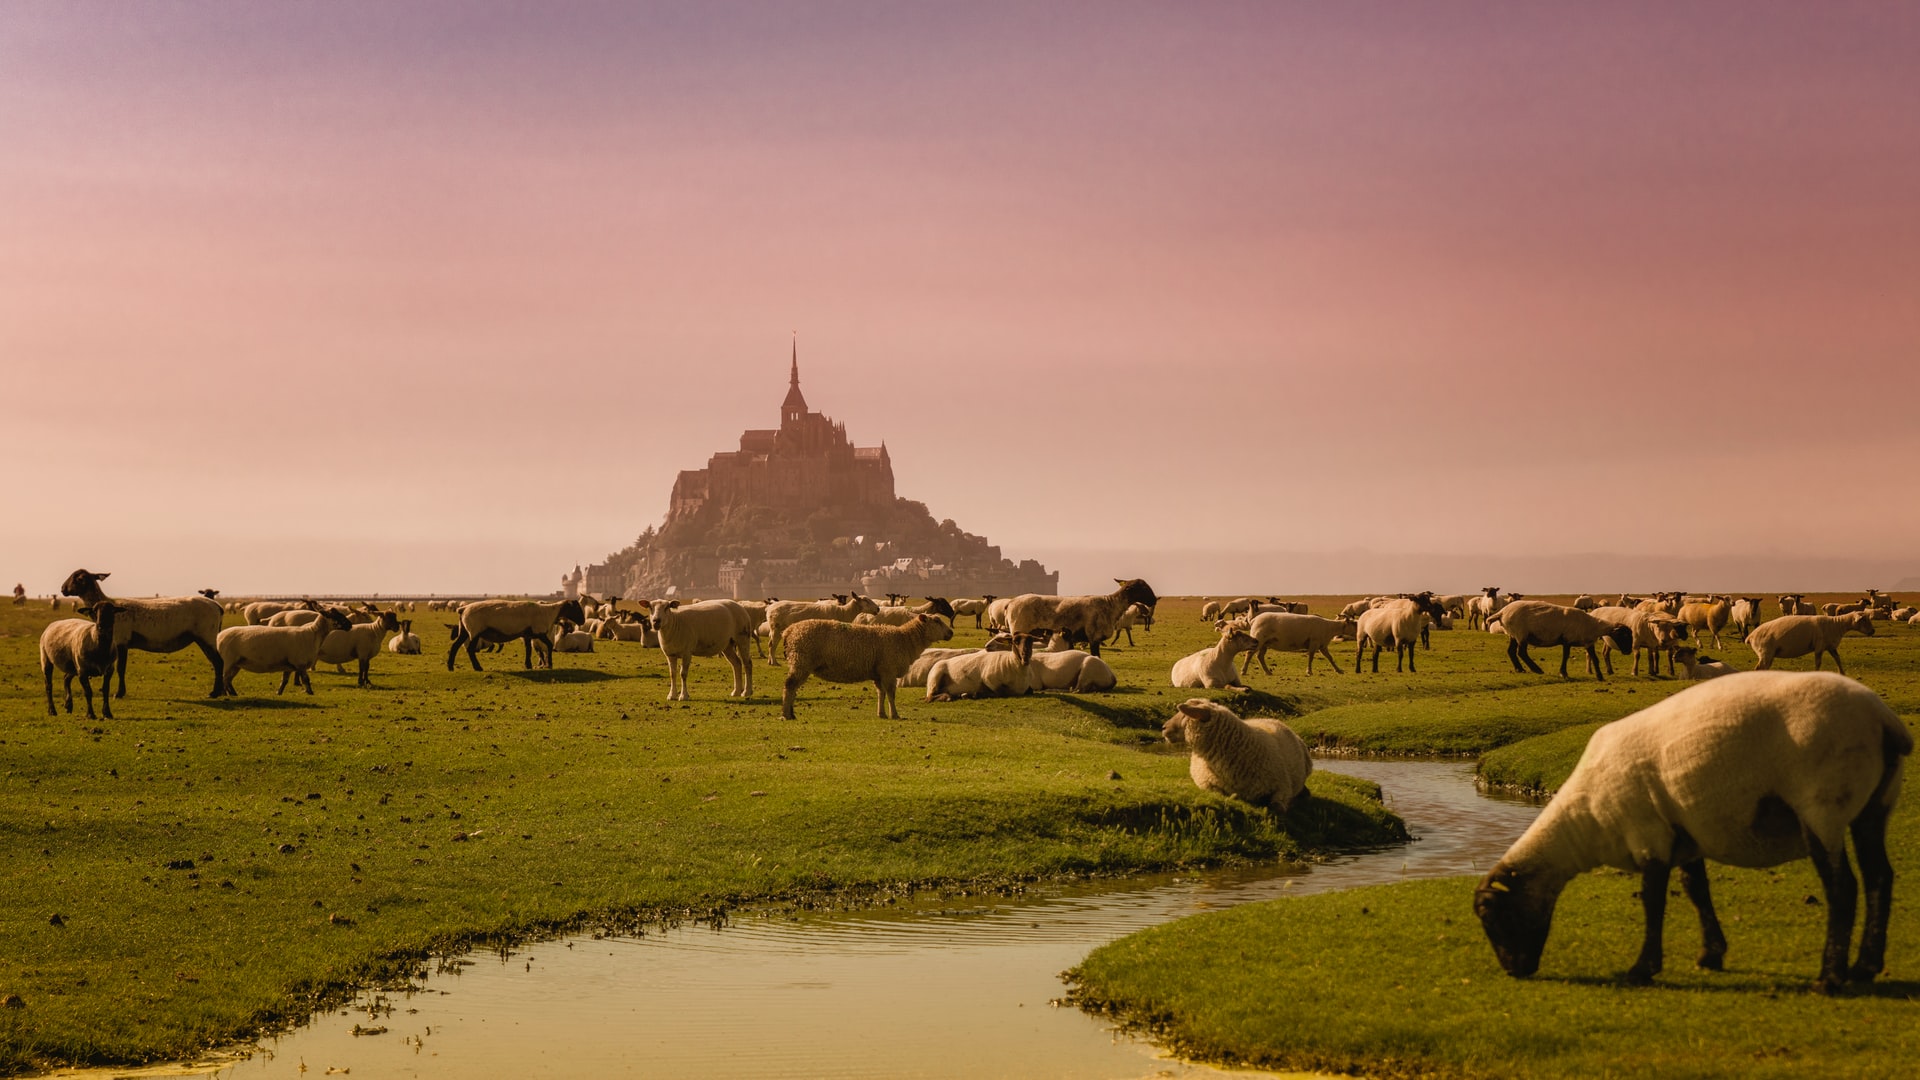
(47,670)
(526,643)
(1835,652)
(1836,880)
(364,680)
(213,657)
(1713,941)
(880,687)
(284,676)
(1653,901)
(120,665)
(1527,659)
(1513,655)
(1593,662)
(794,681)
(1328,653)
(1876,872)
(227,678)
(742,678)
(68,687)
(86,687)
(1566,653)
(473,652)
(1396,657)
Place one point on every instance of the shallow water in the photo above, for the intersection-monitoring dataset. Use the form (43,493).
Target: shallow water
(959,988)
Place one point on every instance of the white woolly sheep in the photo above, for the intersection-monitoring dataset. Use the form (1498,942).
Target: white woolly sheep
(566,639)
(1699,667)
(1396,621)
(1752,770)
(922,665)
(1212,668)
(1074,671)
(844,653)
(1136,614)
(1289,632)
(1844,609)
(500,621)
(81,648)
(406,642)
(708,628)
(360,643)
(757,614)
(1652,633)
(1796,604)
(1745,614)
(975,608)
(1211,610)
(787,612)
(1536,622)
(901,616)
(1260,761)
(986,673)
(1708,617)
(1481,608)
(997,612)
(1790,636)
(1086,620)
(160,624)
(290,650)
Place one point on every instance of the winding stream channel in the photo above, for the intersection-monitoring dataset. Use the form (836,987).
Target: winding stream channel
(958,988)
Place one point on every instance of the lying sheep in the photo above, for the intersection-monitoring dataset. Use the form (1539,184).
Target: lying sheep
(987,673)
(1289,632)
(1699,667)
(841,609)
(290,650)
(405,643)
(1796,604)
(1086,620)
(501,621)
(1903,614)
(566,639)
(844,653)
(1259,761)
(1536,622)
(1397,621)
(360,643)
(160,624)
(708,628)
(923,665)
(1753,770)
(81,648)
(1073,671)
(1212,668)
(1797,635)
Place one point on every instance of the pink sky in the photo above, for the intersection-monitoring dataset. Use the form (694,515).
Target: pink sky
(439,297)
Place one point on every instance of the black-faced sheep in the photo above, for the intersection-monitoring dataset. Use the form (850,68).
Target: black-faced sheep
(500,621)
(708,628)
(1086,620)
(1707,617)
(844,653)
(1073,671)
(162,625)
(1797,635)
(1396,621)
(1289,632)
(989,672)
(405,643)
(81,648)
(1260,761)
(1536,622)
(290,650)
(1699,667)
(359,643)
(1755,769)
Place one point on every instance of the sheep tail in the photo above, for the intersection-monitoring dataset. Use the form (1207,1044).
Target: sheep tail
(1897,744)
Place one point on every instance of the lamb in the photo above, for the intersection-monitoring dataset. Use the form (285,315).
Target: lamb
(1135,613)
(842,609)
(1074,671)
(1706,618)
(1700,667)
(975,608)
(1259,761)
(987,673)
(1289,632)
(405,643)
(1745,615)
(708,628)
(81,648)
(1753,770)
(1087,620)
(360,643)
(1397,621)
(1212,668)
(1796,604)
(1797,635)
(162,625)
(1536,622)
(842,652)
(501,621)
(290,650)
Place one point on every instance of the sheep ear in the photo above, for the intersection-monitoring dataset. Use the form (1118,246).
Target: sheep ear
(1499,886)
(102,575)
(1188,708)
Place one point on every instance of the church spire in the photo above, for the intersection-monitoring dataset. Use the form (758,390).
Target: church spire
(794,409)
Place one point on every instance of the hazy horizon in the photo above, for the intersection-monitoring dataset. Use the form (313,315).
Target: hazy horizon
(439,297)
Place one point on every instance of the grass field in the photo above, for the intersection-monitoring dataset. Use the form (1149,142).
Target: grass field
(222,867)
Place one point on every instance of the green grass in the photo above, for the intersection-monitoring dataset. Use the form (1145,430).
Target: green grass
(1399,980)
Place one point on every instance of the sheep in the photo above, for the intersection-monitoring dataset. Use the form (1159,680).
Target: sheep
(708,628)
(1709,617)
(1289,632)
(1212,668)
(81,648)
(295,616)
(630,626)
(161,624)
(1454,604)
(404,643)
(1272,604)
(1398,621)
(258,612)
(1087,620)
(901,616)
(1752,770)
(1844,609)
(290,650)
(1651,635)
(1700,667)
(757,613)
(1797,635)
(923,664)
(1210,611)
(1536,622)
(997,612)
(987,673)
(1796,604)
(360,643)
(569,640)
(842,652)
(1357,608)
(501,621)
(1259,761)
(787,612)
(1135,613)
(1482,607)
(1745,615)
(1583,602)
(975,608)
(1073,671)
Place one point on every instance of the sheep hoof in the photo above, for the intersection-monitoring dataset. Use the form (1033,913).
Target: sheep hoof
(1710,962)
(1829,986)
(1639,977)
(1861,974)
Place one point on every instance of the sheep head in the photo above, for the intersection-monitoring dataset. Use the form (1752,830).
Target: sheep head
(1137,591)
(1516,915)
(1621,637)
(572,611)
(940,605)
(335,617)
(1862,623)
(82,582)
(936,628)
(209,593)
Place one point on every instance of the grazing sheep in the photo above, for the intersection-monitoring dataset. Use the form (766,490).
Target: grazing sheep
(1797,635)
(1536,622)
(290,650)
(1709,617)
(975,608)
(359,643)
(1745,615)
(405,643)
(161,624)
(1086,620)
(296,616)
(1699,667)
(1210,611)
(1796,604)
(787,612)
(1259,761)
(1357,608)
(1289,632)
(1212,668)
(1397,621)
(1752,770)
(845,653)
(1135,614)
(1075,671)
(1652,634)
(500,621)
(81,648)
(260,611)
(708,628)
(987,673)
